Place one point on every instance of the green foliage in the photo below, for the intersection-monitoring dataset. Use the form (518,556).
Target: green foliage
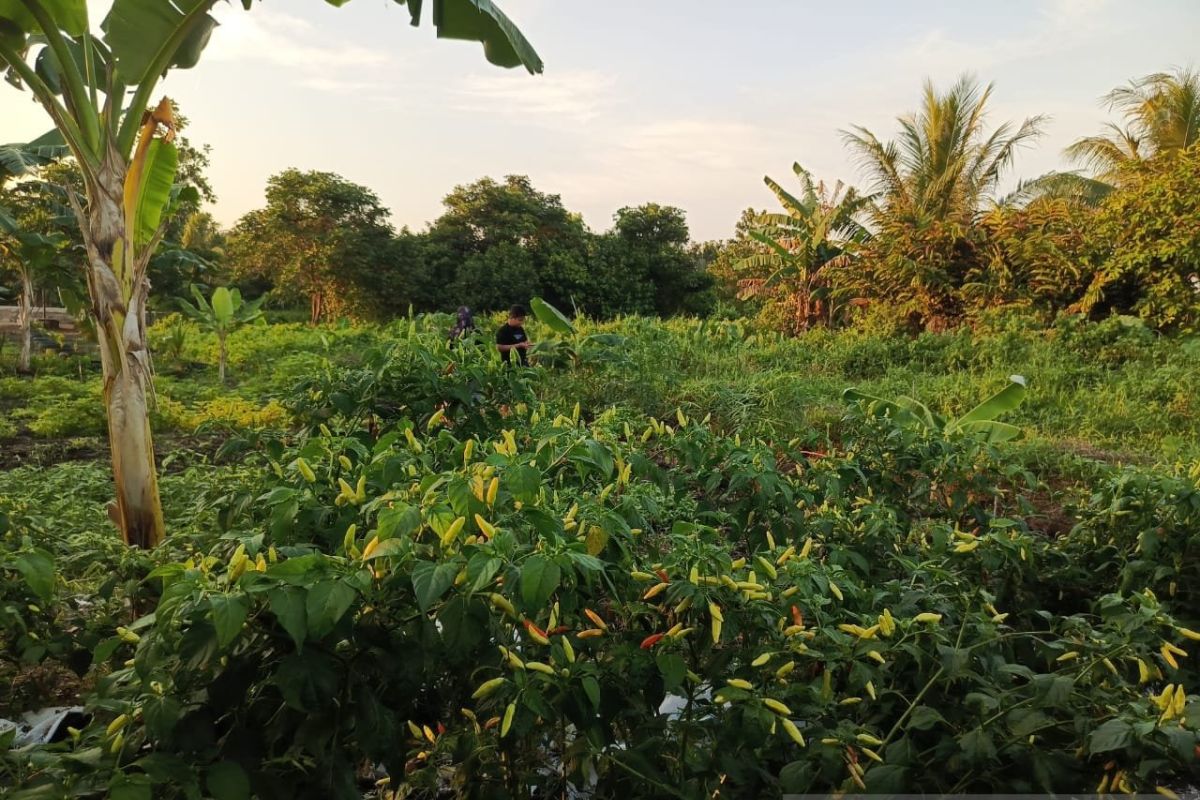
(979,421)
(1149,254)
(348,602)
(816,234)
(224,314)
(503,242)
(317,240)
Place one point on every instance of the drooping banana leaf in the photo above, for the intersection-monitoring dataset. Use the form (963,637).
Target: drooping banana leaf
(992,431)
(551,317)
(140,32)
(481,21)
(18,22)
(222,305)
(1001,402)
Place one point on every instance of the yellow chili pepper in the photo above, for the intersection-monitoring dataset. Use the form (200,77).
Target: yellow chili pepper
(305,470)
(487,687)
(792,731)
(116,725)
(485,527)
(777,707)
(655,591)
(509,713)
(767,567)
(370,548)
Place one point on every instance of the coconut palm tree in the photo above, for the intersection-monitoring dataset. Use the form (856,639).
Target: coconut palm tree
(944,165)
(1160,113)
(930,186)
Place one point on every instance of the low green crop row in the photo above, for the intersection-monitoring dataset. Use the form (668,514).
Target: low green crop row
(635,606)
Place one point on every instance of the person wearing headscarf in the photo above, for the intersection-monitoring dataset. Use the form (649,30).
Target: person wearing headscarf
(464,327)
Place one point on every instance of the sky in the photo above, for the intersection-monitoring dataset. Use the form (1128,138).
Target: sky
(681,102)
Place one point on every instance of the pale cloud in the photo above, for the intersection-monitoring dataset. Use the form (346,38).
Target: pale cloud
(1062,26)
(709,144)
(283,40)
(555,98)
(324,83)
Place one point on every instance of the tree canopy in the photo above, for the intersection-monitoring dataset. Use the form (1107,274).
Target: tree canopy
(318,239)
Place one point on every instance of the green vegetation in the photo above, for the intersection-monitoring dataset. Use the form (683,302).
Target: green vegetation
(373,529)
(128,160)
(896,491)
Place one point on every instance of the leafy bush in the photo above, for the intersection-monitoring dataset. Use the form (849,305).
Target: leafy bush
(639,607)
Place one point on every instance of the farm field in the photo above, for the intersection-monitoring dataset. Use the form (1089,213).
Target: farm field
(380,544)
(575,457)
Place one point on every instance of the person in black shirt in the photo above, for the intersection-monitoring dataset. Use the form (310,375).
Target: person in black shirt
(511,336)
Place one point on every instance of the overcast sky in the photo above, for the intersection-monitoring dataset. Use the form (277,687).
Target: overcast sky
(685,102)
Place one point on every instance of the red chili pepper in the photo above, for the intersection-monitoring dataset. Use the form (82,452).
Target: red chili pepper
(797,617)
(651,640)
(529,626)
(559,631)
(441,729)
(662,575)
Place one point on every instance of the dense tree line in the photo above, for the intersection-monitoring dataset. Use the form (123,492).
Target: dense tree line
(928,242)
(325,241)
(931,244)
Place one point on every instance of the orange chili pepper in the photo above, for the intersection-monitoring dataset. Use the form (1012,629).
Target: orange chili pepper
(651,640)
(596,619)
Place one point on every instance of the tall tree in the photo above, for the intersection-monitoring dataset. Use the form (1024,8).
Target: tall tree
(319,240)
(1147,233)
(127,154)
(944,165)
(1161,114)
(649,252)
(24,251)
(930,186)
(542,245)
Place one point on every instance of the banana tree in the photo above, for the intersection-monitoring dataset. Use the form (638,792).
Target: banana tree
(20,251)
(817,233)
(28,254)
(979,421)
(568,346)
(226,313)
(97,88)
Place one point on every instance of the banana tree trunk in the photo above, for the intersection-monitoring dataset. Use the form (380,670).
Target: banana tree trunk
(221,357)
(316,306)
(25,321)
(118,288)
